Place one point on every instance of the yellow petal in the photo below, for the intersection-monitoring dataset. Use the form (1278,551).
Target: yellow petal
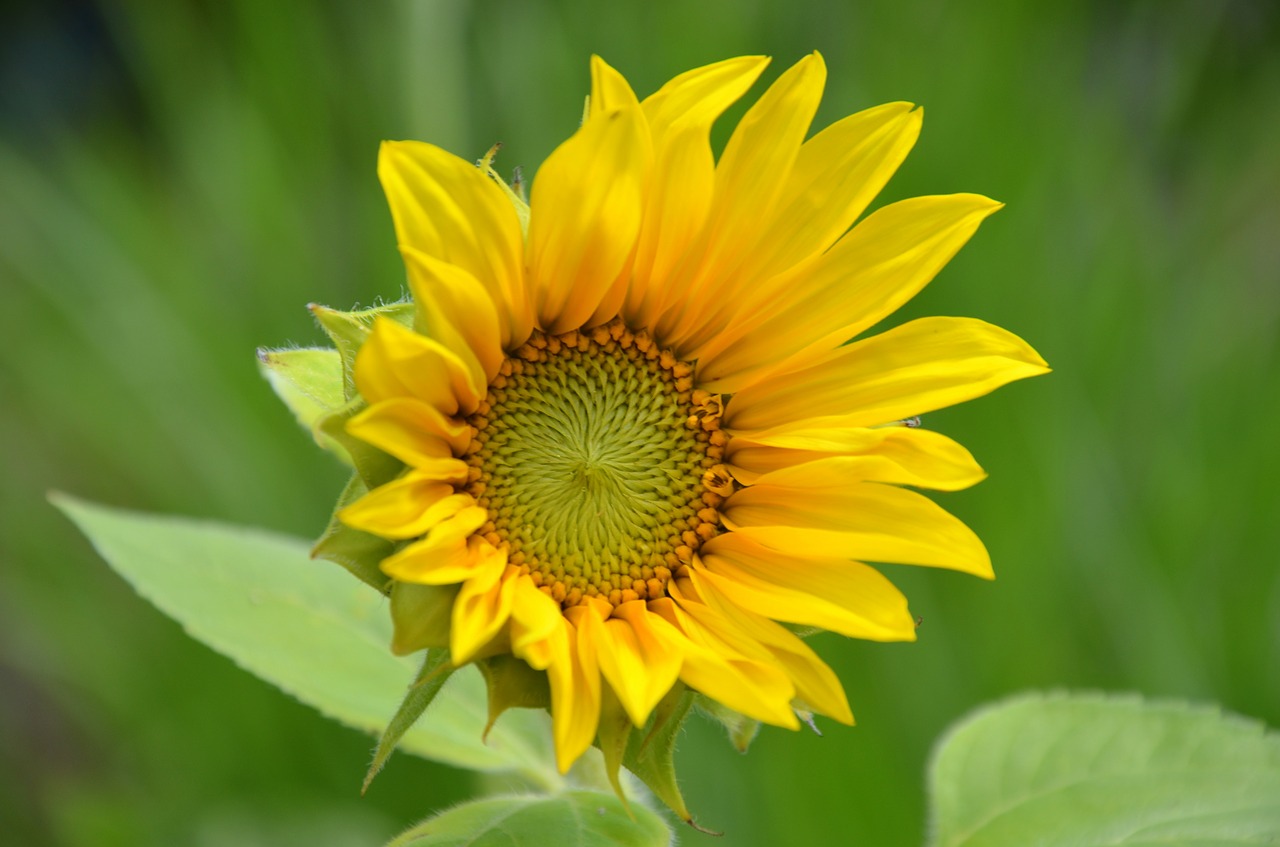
(835,594)
(640,658)
(574,677)
(680,116)
(753,687)
(396,362)
(535,619)
(406,507)
(609,89)
(456,310)
(446,555)
(879,265)
(832,518)
(584,216)
(920,366)
(706,92)
(899,454)
(482,607)
(816,684)
(449,209)
(414,432)
(749,178)
(837,173)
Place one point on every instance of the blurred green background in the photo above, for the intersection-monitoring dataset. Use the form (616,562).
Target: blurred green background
(178,179)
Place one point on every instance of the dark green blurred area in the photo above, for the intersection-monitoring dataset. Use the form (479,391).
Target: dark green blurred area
(177,180)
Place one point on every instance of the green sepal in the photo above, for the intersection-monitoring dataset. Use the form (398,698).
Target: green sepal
(742,729)
(421,616)
(512,684)
(514,190)
(348,331)
(436,668)
(358,552)
(612,737)
(374,466)
(650,751)
(310,382)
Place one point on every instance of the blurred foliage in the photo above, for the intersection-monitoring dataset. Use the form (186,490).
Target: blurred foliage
(178,179)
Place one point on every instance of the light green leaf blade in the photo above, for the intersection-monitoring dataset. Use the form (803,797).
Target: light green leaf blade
(1090,769)
(307,627)
(571,819)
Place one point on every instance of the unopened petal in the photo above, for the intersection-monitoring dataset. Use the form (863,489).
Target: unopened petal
(397,362)
(482,607)
(415,432)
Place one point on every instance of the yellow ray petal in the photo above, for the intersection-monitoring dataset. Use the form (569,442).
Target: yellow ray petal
(837,173)
(640,658)
(879,265)
(753,687)
(899,454)
(584,215)
(920,366)
(482,607)
(449,209)
(860,520)
(574,677)
(446,555)
(396,362)
(609,89)
(406,507)
(706,91)
(680,116)
(816,684)
(454,308)
(412,431)
(535,619)
(839,595)
(749,178)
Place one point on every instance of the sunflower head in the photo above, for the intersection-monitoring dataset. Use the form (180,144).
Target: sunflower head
(620,447)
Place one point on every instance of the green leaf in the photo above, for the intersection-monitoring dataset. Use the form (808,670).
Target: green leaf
(577,818)
(309,381)
(1083,770)
(306,627)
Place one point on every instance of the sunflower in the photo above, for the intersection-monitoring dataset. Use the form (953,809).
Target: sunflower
(635,451)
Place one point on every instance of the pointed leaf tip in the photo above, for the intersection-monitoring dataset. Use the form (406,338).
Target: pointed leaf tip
(436,669)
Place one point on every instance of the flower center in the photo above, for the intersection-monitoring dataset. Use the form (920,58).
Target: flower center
(590,455)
